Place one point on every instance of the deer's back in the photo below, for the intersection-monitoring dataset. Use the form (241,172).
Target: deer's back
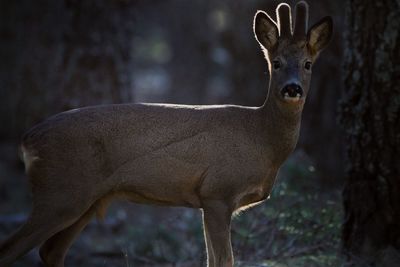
(123,132)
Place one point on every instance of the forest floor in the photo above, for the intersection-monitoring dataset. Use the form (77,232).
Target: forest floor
(298,226)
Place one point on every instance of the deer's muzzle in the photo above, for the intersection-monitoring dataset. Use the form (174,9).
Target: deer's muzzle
(292,92)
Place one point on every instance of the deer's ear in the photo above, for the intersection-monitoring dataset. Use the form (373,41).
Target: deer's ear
(265,30)
(320,34)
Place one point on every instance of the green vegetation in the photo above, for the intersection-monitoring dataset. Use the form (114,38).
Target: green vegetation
(298,226)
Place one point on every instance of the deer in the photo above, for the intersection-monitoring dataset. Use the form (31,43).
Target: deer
(220,159)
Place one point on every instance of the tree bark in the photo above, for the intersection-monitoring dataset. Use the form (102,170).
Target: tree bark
(62,54)
(370,115)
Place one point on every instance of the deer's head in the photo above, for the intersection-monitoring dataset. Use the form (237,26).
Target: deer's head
(291,51)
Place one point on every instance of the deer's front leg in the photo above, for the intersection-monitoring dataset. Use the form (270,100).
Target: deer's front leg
(210,253)
(217,233)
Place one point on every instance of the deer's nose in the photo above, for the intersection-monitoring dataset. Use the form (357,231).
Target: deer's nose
(292,90)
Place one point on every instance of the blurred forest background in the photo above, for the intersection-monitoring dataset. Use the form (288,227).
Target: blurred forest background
(58,55)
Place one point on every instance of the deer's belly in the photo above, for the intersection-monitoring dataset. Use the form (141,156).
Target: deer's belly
(169,181)
(189,200)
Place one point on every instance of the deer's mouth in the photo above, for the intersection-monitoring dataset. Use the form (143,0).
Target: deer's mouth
(292,92)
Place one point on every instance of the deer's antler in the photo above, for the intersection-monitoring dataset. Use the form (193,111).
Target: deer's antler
(284,20)
(301,20)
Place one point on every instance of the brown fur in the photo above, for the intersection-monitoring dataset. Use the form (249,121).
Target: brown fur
(218,158)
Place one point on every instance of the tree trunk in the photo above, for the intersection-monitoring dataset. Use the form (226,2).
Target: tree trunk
(370,116)
(62,54)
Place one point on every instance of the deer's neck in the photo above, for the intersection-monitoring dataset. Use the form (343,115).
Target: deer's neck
(281,126)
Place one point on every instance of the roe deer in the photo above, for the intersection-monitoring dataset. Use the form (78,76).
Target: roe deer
(216,158)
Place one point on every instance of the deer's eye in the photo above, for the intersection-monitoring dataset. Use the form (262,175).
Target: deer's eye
(307,65)
(276,64)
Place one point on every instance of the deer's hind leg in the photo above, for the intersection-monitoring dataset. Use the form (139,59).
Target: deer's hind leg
(54,250)
(52,211)
(41,225)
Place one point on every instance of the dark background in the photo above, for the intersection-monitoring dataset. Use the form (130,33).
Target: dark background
(59,55)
